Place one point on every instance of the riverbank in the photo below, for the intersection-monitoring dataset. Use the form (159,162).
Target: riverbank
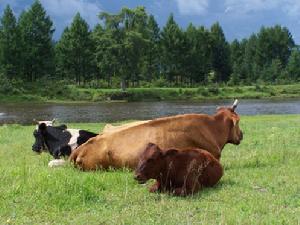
(259,186)
(74,94)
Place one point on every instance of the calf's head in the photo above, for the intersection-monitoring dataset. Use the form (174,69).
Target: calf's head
(232,120)
(149,164)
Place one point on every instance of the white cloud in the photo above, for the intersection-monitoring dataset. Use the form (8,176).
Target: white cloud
(290,7)
(63,11)
(192,7)
(246,6)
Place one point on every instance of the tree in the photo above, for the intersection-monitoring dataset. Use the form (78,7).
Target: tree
(9,57)
(152,58)
(235,77)
(198,63)
(271,73)
(174,49)
(75,51)
(293,67)
(124,41)
(220,54)
(237,60)
(250,63)
(274,43)
(105,53)
(62,56)
(36,30)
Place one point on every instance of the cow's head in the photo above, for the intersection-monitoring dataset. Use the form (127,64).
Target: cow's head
(45,130)
(232,119)
(39,135)
(149,164)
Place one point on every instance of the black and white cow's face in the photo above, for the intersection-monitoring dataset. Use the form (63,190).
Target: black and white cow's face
(45,135)
(39,144)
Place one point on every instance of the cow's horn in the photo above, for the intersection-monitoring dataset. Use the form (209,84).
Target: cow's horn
(236,102)
(35,121)
(53,121)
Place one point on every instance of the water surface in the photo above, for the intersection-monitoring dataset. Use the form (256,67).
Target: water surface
(24,113)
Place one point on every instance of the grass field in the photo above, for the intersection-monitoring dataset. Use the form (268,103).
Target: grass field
(261,184)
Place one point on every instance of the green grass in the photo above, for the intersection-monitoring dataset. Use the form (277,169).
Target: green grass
(61,93)
(261,184)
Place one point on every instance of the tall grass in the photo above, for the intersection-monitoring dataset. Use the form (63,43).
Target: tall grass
(261,184)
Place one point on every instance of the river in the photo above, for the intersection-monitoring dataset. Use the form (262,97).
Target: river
(24,113)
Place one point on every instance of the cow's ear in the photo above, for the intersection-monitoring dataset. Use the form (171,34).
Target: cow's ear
(42,126)
(235,120)
(171,152)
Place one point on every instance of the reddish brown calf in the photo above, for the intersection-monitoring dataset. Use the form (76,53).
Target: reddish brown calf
(181,172)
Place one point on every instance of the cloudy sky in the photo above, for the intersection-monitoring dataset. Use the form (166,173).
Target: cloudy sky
(239,18)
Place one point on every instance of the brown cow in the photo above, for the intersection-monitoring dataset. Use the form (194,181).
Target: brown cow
(111,128)
(123,147)
(181,172)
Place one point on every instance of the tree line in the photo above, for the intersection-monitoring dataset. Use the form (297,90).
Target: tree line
(131,49)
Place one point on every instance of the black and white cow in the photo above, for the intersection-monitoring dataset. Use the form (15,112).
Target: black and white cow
(58,140)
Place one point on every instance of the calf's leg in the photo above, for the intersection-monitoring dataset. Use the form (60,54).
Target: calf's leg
(190,187)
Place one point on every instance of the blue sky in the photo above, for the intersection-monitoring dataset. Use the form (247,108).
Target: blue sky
(239,18)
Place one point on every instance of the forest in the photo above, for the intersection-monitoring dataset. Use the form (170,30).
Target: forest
(130,49)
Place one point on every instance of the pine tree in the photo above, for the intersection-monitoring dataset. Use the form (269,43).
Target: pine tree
(9,57)
(174,49)
(250,63)
(272,73)
(62,56)
(198,61)
(152,59)
(220,54)
(293,67)
(274,43)
(75,51)
(37,48)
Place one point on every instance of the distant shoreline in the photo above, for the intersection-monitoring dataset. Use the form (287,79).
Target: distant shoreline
(201,93)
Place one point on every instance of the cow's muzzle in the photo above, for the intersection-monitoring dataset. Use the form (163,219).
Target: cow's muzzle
(36,148)
(241,136)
